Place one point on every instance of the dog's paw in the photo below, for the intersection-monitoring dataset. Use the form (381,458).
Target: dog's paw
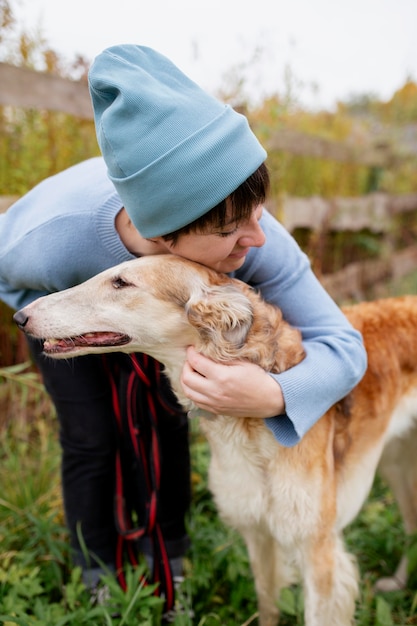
(397,582)
(390,583)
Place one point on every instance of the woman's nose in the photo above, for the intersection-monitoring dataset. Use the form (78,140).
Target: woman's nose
(254,237)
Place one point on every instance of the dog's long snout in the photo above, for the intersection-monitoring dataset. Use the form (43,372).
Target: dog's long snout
(21,319)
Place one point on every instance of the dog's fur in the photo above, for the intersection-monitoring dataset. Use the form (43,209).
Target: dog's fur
(289,504)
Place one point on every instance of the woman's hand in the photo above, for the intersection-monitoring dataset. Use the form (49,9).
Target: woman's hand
(239,389)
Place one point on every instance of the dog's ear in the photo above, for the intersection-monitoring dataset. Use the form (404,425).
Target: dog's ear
(223,316)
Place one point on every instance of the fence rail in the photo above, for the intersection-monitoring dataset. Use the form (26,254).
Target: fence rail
(374,212)
(23,87)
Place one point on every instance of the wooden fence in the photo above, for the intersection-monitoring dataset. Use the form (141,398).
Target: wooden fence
(377,213)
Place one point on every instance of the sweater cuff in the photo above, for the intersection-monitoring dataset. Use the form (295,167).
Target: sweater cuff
(283,430)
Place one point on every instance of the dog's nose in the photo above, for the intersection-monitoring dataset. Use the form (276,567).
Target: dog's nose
(21,318)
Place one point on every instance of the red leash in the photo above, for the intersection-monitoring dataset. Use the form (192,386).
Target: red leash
(138,432)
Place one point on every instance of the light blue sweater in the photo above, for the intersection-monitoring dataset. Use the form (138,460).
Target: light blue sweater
(62,232)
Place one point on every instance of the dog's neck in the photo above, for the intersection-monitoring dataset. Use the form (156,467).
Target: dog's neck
(172,357)
(173,366)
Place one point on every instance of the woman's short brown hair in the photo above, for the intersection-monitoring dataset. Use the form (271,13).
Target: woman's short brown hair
(250,194)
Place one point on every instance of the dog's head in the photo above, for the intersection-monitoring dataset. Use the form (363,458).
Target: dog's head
(153,304)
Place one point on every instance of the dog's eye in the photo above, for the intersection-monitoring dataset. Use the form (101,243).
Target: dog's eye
(119,282)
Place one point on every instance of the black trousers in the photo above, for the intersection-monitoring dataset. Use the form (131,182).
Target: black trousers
(80,391)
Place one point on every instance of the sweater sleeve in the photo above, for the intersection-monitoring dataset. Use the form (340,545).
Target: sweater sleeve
(335,356)
(59,234)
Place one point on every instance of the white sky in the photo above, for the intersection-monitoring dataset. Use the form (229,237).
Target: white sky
(343,47)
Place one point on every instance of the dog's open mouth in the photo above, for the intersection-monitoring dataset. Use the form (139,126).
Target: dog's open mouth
(88,340)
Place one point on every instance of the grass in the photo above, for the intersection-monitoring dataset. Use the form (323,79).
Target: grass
(39,587)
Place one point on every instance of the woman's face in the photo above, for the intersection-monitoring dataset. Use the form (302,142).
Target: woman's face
(222,249)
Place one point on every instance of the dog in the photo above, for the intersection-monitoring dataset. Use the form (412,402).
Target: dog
(289,504)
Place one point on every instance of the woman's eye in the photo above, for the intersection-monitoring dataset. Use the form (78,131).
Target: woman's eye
(228,233)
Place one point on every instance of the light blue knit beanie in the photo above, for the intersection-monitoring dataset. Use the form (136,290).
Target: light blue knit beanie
(172,151)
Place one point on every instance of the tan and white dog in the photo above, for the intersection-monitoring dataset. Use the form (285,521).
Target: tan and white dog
(289,504)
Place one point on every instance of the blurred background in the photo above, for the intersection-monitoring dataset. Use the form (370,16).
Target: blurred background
(330,89)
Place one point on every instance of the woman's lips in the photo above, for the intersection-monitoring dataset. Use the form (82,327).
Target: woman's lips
(239,254)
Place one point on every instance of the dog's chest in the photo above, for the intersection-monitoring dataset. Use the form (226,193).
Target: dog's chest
(253,485)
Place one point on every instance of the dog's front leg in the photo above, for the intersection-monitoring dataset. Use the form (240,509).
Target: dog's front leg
(398,467)
(330,582)
(269,572)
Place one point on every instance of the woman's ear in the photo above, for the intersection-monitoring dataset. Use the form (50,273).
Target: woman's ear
(223,316)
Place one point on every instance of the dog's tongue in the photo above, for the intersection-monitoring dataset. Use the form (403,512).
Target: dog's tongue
(88,339)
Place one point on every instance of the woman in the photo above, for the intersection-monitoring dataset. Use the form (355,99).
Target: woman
(181,173)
